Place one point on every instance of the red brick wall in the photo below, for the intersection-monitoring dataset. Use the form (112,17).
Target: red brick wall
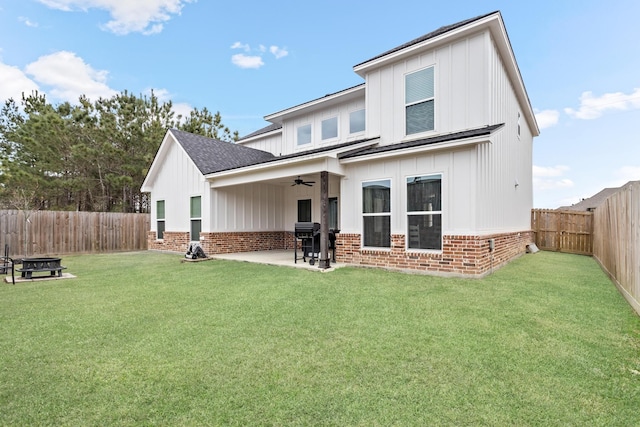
(174,241)
(461,255)
(225,243)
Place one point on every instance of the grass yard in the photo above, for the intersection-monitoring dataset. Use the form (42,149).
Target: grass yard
(142,339)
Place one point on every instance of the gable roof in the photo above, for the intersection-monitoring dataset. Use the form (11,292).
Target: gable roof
(433,34)
(269,128)
(212,155)
(455,136)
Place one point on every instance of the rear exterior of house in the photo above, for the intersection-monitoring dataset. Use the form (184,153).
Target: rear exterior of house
(428,164)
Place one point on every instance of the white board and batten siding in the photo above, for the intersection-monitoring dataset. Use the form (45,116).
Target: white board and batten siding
(458,204)
(248,207)
(472,89)
(176,182)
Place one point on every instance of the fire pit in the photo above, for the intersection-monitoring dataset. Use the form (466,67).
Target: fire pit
(39,265)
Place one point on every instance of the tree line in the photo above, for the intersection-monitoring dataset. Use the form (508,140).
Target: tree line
(89,156)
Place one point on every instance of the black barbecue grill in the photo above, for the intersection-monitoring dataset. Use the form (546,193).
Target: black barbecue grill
(309,235)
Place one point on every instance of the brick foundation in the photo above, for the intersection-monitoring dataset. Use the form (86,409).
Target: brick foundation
(460,255)
(226,243)
(173,241)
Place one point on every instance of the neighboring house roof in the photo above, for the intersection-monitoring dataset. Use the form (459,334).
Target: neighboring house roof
(592,202)
(442,30)
(270,128)
(212,155)
(470,133)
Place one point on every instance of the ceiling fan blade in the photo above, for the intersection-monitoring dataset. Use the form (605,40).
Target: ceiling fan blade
(307,184)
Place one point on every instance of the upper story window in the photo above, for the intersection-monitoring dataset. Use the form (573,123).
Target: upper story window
(304,135)
(330,128)
(419,101)
(357,121)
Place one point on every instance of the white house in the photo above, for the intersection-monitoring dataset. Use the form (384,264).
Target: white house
(424,166)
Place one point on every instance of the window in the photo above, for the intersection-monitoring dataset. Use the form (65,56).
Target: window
(376,212)
(330,128)
(160,219)
(357,121)
(419,101)
(333,213)
(424,212)
(196,218)
(304,135)
(304,210)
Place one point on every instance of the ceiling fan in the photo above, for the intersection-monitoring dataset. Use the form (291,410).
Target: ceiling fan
(300,181)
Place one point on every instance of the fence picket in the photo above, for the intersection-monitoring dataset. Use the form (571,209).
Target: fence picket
(56,232)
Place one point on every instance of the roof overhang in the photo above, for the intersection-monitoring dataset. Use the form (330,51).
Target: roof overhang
(386,152)
(320,103)
(304,164)
(495,25)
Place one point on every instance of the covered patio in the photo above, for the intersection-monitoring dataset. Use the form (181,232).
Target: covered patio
(284,258)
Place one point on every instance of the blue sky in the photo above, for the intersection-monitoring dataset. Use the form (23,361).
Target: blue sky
(580,61)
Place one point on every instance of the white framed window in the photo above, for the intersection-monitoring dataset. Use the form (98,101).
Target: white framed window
(424,212)
(357,121)
(196,217)
(330,128)
(376,213)
(333,213)
(419,101)
(160,219)
(303,135)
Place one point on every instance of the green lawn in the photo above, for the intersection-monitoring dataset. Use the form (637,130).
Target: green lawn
(142,339)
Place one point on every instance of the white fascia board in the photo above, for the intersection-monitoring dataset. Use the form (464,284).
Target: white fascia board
(328,100)
(419,150)
(428,44)
(279,171)
(495,25)
(296,165)
(161,154)
(261,136)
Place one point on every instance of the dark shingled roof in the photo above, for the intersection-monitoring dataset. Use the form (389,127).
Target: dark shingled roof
(471,133)
(269,128)
(433,34)
(592,202)
(304,153)
(212,155)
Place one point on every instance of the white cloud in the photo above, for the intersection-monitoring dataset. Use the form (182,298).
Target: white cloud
(550,177)
(69,76)
(626,174)
(142,16)
(14,82)
(243,46)
(28,22)
(247,61)
(278,52)
(180,109)
(254,61)
(593,107)
(547,118)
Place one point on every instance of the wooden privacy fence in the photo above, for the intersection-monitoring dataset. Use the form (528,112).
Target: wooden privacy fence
(563,231)
(617,240)
(55,232)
